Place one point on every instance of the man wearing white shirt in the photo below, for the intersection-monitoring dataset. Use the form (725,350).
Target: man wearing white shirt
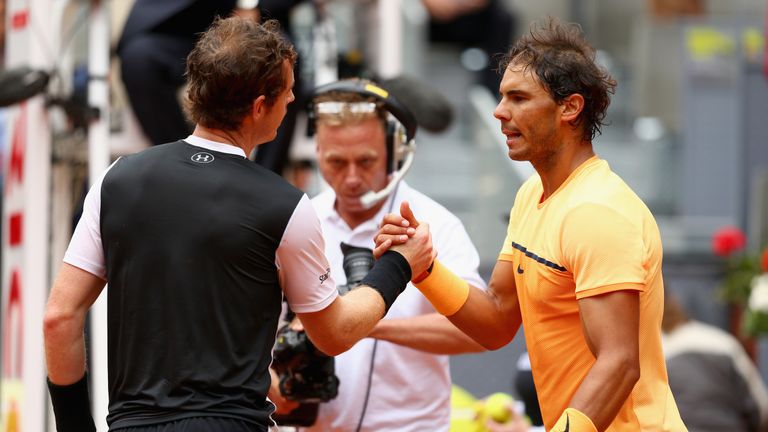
(384,386)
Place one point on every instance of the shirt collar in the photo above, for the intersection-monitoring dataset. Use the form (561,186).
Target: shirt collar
(213,145)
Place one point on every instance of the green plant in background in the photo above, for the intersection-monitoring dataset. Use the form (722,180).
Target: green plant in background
(746,278)
(756,315)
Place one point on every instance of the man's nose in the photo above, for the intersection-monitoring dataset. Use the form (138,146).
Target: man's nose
(500,112)
(352,174)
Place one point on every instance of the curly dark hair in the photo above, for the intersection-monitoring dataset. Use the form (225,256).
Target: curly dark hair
(233,63)
(564,63)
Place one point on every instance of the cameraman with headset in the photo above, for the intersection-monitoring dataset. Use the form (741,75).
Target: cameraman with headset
(364,146)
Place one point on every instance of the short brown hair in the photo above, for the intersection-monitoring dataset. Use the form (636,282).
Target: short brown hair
(234,62)
(564,63)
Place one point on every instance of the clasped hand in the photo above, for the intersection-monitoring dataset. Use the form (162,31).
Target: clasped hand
(409,237)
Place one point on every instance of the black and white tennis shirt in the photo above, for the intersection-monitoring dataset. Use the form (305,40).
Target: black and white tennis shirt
(198,245)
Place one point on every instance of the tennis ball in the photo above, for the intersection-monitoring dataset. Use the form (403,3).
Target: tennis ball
(498,406)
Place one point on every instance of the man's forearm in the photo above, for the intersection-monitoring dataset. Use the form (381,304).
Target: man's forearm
(72,295)
(491,318)
(431,333)
(605,389)
(348,319)
(64,348)
(352,316)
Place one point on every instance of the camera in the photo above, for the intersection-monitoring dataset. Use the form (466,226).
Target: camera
(356,264)
(305,373)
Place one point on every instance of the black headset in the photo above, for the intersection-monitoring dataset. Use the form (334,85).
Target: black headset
(382,98)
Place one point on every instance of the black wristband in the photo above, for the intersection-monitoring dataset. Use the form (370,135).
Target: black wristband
(72,406)
(389,276)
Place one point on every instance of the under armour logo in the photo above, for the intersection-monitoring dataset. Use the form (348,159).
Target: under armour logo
(202,157)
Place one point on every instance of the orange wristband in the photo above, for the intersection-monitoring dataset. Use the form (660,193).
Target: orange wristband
(574,420)
(446,291)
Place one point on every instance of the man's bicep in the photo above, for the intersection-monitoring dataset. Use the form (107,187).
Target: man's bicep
(502,286)
(611,322)
(503,279)
(75,289)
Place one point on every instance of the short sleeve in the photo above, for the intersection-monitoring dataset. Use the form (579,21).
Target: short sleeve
(524,195)
(603,249)
(305,274)
(85,249)
(506,247)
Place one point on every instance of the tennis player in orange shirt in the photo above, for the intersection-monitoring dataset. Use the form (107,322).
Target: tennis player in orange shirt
(580,267)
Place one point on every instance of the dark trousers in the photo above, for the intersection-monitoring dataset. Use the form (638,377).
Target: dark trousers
(152,68)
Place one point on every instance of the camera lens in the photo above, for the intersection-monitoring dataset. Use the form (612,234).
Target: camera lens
(357,262)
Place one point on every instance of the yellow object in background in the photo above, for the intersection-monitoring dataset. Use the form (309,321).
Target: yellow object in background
(704,43)
(469,414)
(753,41)
(499,406)
(464,413)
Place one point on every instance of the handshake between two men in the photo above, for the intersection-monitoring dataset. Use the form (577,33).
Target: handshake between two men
(403,233)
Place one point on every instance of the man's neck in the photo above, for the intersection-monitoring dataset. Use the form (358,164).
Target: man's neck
(556,171)
(233,138)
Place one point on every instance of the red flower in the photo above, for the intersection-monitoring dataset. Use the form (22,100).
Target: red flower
(764,260)
(728,240)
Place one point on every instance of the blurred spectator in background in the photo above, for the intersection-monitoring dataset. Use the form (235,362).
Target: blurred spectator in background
(486,25)
(2,32)
(715,384)
(526,390)
(674,8)
(153,47)
(398,379)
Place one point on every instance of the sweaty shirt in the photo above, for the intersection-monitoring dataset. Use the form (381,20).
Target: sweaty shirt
(592,236)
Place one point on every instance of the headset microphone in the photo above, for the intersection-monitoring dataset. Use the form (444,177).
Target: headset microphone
(409,103)
(401,125)
(370,198)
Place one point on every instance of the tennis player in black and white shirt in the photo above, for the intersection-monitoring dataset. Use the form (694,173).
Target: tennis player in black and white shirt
(199,245)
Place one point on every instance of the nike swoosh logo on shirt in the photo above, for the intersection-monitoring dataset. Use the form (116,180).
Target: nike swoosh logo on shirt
(520,270)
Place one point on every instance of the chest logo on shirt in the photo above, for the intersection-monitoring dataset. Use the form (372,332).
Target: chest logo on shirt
(536,258)
(520,269)
(202,157)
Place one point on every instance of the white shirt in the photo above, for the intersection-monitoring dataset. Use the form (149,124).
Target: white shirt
(410,389)
(299,258)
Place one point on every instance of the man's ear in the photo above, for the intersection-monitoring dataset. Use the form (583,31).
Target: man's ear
(571,107)
(259,107)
